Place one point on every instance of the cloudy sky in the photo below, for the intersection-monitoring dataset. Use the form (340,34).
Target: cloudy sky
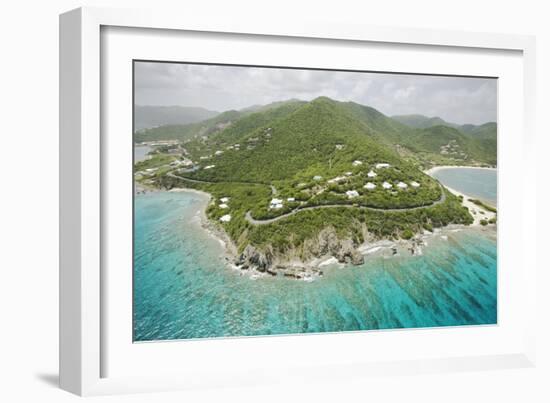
(220,88)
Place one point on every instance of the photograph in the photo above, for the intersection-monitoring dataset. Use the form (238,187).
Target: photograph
(276,200)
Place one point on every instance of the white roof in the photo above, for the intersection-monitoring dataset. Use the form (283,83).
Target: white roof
(369,185)
(223,205)
(402,185)
(225,218)
(371,174)
(415,184)
(224,199)
(337,179)
(357,162)
(349,173)
(387,185)
(276,201)
(209,166)
(317,177)
(382,165)
(218,152)
(352,193)
(291,199)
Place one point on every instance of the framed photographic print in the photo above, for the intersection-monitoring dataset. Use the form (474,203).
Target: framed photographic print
(281,202)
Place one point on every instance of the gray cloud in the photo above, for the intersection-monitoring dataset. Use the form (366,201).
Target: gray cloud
(455,99)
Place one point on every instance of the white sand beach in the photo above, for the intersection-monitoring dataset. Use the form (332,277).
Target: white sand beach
(433,170)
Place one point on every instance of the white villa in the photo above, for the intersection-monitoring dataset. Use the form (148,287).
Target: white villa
(225,218)
(356,163)
(382,165)
(402,185)
(219,152)
(415,184)
(224,199)
(370,186)
(276,204)
(352,193)
(337,179)
(290,199)
(349,173)
(209,166)
(224,205)
(372,174)
(387,185)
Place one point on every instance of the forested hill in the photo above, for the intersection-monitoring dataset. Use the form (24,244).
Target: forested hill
(425,145)
(321,136)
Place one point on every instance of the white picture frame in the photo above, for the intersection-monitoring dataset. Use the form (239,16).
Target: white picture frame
(83,344)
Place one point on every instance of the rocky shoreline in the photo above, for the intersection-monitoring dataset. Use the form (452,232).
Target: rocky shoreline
(326,249)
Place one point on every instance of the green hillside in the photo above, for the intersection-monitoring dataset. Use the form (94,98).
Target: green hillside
(282,175)
(422,122)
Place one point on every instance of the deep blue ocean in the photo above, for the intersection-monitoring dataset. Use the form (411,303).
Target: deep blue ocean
(183,287)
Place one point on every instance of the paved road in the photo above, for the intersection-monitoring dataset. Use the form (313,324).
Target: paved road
(253,221)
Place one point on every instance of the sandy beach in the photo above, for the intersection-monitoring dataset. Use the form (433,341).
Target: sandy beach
(433,170)
(478,212)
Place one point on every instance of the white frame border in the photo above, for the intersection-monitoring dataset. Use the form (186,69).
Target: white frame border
(80,165)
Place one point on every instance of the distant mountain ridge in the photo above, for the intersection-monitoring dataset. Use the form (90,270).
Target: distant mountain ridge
(418,121)
(147,116)
(433,142)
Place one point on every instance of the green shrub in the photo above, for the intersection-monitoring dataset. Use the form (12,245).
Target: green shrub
(483,222)
(407,234)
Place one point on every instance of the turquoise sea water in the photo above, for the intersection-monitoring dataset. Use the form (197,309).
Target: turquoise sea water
(479,183)
(183,287)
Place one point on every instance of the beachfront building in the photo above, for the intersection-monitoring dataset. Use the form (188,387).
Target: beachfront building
(276,204)
(370,186)
(402,185)
(352,193)
(415,184)
(225,218)
(372,174)
(356,163)
(382,165)
(387,185)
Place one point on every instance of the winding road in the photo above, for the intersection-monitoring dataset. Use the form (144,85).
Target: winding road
(253,221)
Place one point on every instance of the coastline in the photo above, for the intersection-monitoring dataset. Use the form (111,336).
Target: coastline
(436,168)
(308,270)
(477,212)
(230,249)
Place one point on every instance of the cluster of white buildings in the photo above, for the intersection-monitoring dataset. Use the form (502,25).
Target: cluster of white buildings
(224,205)
(277,204)
(185,162)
